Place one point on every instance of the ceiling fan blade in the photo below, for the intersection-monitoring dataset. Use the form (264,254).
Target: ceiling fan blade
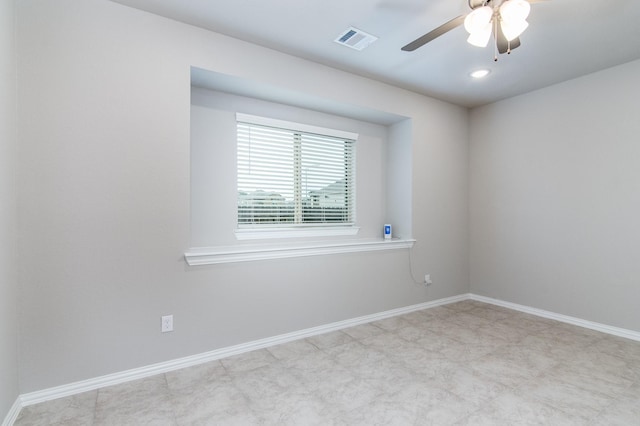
(504,46)
(419,42)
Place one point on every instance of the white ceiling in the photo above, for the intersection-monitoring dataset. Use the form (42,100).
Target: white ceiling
(565,39)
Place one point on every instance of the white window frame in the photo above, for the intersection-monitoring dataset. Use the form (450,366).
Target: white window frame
(298,230)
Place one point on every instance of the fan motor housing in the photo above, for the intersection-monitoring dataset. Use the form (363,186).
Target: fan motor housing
(474,4)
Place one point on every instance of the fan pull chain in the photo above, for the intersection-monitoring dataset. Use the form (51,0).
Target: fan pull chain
(495,35)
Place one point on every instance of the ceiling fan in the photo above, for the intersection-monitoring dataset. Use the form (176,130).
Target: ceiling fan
(505,19)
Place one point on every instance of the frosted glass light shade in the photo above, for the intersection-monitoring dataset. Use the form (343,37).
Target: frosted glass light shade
(480,38)
(512,29)
(478,19)
(515,10)
(478,25)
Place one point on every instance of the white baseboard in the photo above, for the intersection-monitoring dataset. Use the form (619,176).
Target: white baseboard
(164,367)
(13,413)
(172,365)
(616,331)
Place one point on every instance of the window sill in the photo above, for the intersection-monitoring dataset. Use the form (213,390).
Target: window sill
(215,255)
(311,232)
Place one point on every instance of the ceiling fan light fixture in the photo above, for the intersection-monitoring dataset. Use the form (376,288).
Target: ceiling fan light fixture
(513,15)
(514,10)
(504,19)
(513,29)
(480,38)
(478,19)
(478,25)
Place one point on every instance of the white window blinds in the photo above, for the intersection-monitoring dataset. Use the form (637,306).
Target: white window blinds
(292,175)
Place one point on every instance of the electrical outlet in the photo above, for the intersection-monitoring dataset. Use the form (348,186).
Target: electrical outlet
(167,323)
(427,279)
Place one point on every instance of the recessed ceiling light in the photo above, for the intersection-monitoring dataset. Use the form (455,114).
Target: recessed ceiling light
(480,73)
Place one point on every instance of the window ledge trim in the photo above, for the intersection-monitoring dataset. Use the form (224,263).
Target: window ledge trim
(266,233)
(216,255)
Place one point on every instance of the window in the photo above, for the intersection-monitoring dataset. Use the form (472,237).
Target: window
(293,176)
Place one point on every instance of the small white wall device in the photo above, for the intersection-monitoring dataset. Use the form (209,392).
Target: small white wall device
(387,231)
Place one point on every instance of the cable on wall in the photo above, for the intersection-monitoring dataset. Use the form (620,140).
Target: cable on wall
(413,278)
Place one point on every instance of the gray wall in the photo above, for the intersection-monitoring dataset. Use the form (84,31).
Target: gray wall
(555,198)
(104,100)
(8,210)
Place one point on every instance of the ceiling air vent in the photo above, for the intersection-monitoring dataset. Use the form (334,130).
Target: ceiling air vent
(355,39)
